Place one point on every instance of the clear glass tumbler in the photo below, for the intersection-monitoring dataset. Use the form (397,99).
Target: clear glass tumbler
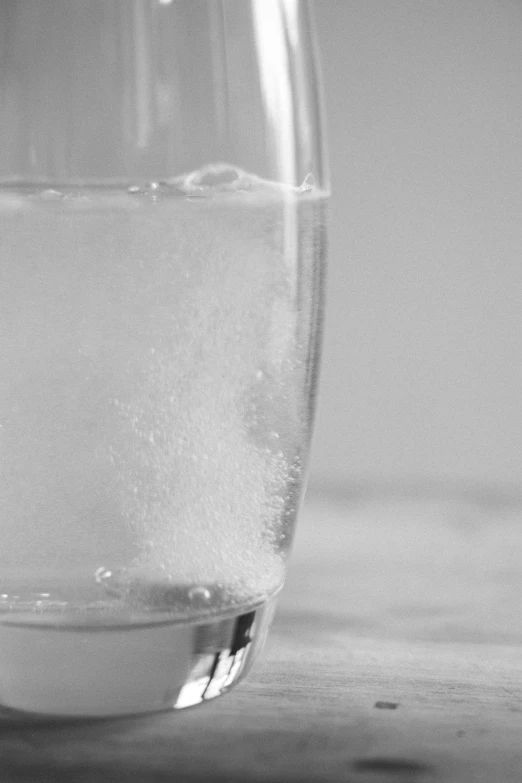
(162,240)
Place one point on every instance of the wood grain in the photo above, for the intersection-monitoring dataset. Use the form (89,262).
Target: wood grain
(395,656)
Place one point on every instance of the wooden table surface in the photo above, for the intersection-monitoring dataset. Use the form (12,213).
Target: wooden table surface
(396,655)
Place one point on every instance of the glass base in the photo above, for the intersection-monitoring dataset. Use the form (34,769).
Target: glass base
(111,670)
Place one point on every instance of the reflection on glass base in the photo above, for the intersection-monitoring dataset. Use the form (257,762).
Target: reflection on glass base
(106,671)
(223,653)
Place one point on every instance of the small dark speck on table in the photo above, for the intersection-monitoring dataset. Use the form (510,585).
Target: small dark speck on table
(394,765)
(386,705)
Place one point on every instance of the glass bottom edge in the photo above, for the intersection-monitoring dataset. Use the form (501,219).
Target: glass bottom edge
(127,671)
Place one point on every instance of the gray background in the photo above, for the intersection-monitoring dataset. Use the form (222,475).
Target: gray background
(421,377)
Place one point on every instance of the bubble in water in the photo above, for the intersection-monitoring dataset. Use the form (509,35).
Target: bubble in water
(218,175)
(102,575)
(215,178)
(199,594)
(112,580)
(156,190)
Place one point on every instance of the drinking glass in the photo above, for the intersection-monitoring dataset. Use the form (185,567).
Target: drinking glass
(162,213)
